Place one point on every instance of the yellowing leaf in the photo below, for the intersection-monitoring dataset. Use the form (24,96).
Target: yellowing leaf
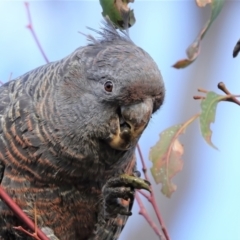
(194,49)
(166,157)
(118,12)
(182,63)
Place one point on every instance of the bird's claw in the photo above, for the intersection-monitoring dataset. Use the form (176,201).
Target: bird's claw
(118,192)
(135,182)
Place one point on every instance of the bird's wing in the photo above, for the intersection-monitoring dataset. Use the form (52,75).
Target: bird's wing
(4,102)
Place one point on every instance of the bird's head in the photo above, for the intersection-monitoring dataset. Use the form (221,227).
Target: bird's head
(109,90)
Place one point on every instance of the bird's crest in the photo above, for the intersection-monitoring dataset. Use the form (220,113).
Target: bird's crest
(108,33)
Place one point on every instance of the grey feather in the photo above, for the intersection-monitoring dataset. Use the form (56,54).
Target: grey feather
(109,33)
(63,136)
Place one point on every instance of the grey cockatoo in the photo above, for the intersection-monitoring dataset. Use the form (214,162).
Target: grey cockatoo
(68,131)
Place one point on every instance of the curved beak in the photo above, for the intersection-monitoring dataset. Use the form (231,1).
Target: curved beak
(133,119)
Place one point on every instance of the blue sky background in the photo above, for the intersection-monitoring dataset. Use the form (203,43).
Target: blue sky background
(206,204)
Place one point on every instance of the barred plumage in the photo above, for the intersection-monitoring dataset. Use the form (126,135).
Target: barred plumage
(62,136)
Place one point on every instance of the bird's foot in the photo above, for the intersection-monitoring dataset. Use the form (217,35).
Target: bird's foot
(118,192)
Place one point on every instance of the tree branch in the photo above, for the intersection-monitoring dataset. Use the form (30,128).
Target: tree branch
(30,27)
(144,213)
(152,199)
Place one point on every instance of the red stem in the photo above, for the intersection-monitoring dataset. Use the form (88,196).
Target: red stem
(152,198)
(20,214)
(34,235)
(30,27)
(145,195)
(144,213)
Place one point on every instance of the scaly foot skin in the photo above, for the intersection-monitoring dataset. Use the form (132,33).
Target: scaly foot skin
(118,188)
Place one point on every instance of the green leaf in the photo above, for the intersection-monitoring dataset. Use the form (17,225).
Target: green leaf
(207,116)
(166,157)
(194,49)
(118,12)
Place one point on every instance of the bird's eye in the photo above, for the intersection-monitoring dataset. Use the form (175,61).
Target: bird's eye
(108,86)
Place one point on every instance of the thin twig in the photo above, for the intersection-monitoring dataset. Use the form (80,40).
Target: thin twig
(144,213)
(223,88)
(33,235)
(152,198)
(198,97)
(20,214)
(147,196)
(30,27)
(202,90)
(144,168)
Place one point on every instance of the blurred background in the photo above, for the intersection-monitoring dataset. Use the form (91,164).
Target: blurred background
(206,203)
